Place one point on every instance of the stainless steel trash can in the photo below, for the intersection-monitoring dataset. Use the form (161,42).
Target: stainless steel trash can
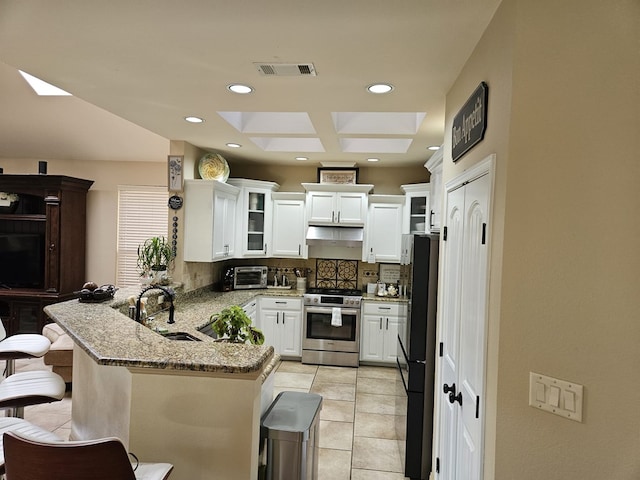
(291,430)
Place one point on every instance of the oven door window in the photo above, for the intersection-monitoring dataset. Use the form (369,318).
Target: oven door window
(319,325)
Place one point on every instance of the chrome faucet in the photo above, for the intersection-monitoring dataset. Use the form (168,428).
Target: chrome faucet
(170,294)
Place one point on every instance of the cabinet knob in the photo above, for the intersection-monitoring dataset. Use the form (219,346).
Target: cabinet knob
(52,247)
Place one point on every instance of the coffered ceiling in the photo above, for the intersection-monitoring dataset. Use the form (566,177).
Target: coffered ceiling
(137,69)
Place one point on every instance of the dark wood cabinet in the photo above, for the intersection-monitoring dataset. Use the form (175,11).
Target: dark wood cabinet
(42,246)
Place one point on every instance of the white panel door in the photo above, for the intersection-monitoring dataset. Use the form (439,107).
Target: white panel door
(473,326)
(450,325)
(463,331)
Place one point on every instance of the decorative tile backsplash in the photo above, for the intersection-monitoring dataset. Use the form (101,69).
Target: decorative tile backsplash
(336,273)
(326,273)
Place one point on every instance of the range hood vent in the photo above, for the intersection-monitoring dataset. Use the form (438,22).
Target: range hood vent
(286,69)
(335,236)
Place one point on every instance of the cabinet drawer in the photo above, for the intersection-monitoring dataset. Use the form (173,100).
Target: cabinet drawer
(384,308)
(281,303)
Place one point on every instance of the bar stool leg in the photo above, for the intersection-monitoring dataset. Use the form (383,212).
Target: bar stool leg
(10,368)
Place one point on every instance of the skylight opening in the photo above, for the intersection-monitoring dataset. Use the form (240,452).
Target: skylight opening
(43,88)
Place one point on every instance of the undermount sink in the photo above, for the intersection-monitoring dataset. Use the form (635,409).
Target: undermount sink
(184,336)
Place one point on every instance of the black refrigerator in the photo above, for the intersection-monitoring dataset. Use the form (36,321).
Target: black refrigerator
(417,356)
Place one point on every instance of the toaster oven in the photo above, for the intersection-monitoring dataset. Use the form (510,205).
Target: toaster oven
(249,277)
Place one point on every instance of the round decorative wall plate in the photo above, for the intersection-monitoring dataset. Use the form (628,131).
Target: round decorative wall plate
(175,202)
(213,166)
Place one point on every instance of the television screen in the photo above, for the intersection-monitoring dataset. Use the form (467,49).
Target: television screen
(21,260)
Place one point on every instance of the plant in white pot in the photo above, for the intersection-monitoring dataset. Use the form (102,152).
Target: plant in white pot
(154,259)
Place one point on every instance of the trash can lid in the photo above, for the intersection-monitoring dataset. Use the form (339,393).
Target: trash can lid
(292,412)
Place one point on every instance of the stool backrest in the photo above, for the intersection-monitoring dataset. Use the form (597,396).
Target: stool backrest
(30,459)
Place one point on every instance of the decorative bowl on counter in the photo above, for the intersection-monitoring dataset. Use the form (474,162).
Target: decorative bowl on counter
(100,294)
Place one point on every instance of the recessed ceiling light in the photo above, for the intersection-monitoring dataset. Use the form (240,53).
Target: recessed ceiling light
(194,119)
(43,88)
(233,145)
(373,159)
(380,88)
(302,159)
(433,147)
(239,88)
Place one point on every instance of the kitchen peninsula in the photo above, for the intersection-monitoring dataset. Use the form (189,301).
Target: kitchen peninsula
(195,404)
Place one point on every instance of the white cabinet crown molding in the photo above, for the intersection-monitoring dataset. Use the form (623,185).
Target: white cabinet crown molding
(248,183)
(416,187)
(436,160)
(337,187)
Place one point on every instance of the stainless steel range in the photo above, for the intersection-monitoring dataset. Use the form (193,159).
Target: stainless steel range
(331,327)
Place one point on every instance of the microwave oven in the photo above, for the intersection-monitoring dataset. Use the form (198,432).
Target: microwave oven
(249,277)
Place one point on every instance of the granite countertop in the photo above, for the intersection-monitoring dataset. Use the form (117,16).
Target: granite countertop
(387,298)
(110,337)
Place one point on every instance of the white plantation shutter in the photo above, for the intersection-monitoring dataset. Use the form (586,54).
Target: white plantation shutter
(142,213)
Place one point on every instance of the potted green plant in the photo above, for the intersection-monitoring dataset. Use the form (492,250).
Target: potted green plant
(154,258)
(233,325)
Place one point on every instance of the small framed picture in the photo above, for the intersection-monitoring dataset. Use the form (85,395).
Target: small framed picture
(343,176)
(174,165)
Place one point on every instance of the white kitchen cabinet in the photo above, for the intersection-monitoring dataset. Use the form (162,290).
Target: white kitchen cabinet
(251,309)
(383,232)
(289,225)
(209,220)
(434,165)
(255,209)
(382,322)
(280,319)
(329,204)
(417,208)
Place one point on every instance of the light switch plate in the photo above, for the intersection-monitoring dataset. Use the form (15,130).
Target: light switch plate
(555,396)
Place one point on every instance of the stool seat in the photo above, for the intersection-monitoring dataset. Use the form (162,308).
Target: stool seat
(31,388)
(18,425)
(100,459)
(25,345)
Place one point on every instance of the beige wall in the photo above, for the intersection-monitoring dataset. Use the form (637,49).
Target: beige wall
(102,202)
(563,100)
(387,180)
(491,63)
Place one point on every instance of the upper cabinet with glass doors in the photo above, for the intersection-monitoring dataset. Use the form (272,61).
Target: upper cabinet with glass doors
(256,216)
(417,211)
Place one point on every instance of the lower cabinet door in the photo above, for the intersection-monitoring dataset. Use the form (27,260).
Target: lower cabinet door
(269,324)
(371,338)
(291,334)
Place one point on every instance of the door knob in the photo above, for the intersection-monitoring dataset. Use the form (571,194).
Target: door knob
(449,389)
(455,398)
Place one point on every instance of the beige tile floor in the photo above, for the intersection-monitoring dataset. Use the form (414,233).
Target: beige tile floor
(358,438)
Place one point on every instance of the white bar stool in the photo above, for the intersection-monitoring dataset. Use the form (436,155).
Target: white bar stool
(18,390)
(18,425)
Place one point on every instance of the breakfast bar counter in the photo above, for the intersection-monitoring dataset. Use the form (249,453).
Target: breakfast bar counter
(195,404)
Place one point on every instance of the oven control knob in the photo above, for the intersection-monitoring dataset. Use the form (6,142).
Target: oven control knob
(315,300)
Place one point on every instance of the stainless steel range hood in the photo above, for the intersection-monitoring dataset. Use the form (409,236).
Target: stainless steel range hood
(335,236)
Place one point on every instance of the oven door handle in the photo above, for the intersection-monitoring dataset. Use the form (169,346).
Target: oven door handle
(329,310)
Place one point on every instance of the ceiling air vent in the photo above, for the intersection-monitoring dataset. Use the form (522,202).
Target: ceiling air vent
(286,69)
